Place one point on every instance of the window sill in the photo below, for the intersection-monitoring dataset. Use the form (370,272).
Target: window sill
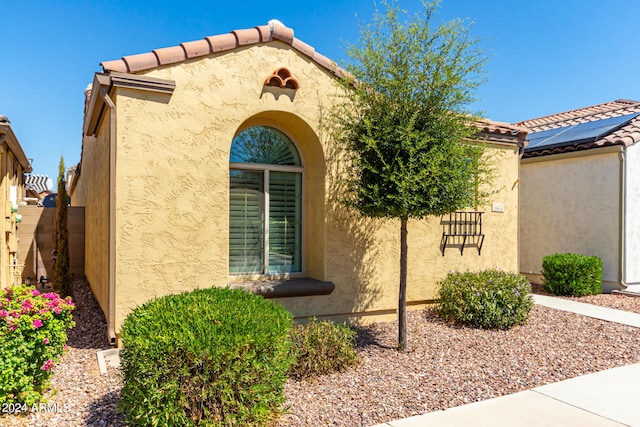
(283,288)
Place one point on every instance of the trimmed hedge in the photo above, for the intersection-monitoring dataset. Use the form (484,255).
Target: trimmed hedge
(210,357)
(321,348)
(490,299)
(572,274)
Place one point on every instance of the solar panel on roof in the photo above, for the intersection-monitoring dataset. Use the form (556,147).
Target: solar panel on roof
(577,134)
(537,138)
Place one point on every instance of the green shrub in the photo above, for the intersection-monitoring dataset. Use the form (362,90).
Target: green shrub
(490,299)
(33,333)
(323,347)
(572,274)
(210,357)
(61,264)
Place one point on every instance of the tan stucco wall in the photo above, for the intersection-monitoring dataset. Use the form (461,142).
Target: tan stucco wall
(172,192)
(11,175)
(363,254)
(173,160)
(92,192)
(37,241)
(571,204)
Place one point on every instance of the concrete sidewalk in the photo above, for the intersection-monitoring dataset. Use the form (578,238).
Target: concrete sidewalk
(606,398)
(602,313)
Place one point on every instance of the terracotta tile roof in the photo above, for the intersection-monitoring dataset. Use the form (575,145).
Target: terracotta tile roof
(503,128)
(626,135)
(274,30)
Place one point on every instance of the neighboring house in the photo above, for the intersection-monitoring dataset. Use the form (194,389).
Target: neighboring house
(210,164)
(13,165)
(580,190)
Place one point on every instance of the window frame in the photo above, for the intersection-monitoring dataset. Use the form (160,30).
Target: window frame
(267,168)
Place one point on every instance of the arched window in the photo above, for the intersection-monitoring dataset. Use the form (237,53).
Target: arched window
(265,203)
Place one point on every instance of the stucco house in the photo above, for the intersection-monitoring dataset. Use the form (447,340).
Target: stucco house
(580,190)
(13,165)
(208,164)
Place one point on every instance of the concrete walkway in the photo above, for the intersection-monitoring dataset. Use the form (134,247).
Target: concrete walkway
(602,313)
(606,398)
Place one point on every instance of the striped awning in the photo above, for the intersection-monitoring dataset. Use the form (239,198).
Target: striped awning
(37,183)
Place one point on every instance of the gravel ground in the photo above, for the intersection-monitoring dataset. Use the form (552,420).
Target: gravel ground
(445,366)
(80,396)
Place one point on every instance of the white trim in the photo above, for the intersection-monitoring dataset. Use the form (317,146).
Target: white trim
(266,211)
(265,166)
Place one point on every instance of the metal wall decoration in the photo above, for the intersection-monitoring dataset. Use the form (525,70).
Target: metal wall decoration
(462,229)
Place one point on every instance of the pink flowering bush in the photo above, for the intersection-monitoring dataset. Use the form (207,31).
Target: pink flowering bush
(33,333)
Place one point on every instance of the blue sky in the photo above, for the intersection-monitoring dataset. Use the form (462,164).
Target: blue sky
(544,56)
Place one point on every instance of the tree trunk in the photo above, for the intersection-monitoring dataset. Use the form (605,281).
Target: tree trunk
(402,298)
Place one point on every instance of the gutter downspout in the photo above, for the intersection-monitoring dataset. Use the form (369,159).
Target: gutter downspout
(111,280)
(622,262)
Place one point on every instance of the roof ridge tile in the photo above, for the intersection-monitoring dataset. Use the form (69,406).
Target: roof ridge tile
(222,42)
(303,47)
(265,33)
(141,61)
(196,48)
(281,32)
(170,55)
(248,36)
(274,30)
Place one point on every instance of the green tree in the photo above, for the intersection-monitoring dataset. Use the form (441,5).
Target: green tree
(406,123)
(62,275)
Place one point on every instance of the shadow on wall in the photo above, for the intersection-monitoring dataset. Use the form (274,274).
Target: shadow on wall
(352,249)
(37,242)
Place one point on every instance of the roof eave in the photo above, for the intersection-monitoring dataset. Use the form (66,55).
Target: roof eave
(502,133)
(7,135)
(273,31)
(109,81)
(571,148)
